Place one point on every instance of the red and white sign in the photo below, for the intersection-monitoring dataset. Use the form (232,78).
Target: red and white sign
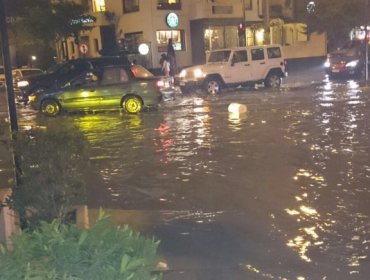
(84,48)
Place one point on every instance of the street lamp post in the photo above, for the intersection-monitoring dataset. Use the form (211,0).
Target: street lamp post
(367,31)
(7,69)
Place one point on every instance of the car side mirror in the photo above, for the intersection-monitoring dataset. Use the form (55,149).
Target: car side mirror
(233,60)
(67,85)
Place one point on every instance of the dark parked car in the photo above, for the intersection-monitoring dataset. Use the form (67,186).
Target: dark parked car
(20,74)
(348,61)
(113,87)
(59,74)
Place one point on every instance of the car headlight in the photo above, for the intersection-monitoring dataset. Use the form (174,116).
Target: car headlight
(32,98)
(352,63)
(198,73)
(327,64)
(23,83)
(182,74)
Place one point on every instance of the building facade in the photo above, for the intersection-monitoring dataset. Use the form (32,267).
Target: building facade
(195,26)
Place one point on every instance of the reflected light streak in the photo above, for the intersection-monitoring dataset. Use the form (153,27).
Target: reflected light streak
(353,84)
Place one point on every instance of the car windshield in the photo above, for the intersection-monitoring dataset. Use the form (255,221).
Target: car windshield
(2,70)
(140,72)
(54,68)
(30,72)
(219,56)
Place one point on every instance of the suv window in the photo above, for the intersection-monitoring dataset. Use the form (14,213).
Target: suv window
(257,54)
(273,52)
(240,56)
(219,56)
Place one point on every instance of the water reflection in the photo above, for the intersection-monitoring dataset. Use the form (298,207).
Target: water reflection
(328,192)
(296,166)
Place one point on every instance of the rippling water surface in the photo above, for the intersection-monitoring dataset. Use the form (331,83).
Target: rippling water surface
(287,184)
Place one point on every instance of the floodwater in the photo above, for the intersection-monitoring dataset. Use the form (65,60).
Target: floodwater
(280,192)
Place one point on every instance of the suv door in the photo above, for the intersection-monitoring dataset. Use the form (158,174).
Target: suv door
(240,67)
(258,63)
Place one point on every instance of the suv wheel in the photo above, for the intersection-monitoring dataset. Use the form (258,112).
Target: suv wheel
(273,80)
(213,85)
(50,107)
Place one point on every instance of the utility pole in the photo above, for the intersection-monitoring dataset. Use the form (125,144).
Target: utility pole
(7,68)
(267,21)
(367,31)
(241,27)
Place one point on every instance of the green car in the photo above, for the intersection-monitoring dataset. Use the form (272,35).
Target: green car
(130,87)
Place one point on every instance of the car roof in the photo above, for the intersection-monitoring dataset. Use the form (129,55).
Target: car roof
(27,69)
(247,47)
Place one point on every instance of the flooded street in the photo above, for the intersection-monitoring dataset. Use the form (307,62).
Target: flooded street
(281,192)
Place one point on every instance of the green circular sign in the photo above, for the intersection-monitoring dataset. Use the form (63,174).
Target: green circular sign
(172,20)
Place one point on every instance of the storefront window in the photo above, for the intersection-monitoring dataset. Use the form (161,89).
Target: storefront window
(98,5)
(169,5)
(132,41)
(255,36)
(177,39)
(219,37)
(130,6)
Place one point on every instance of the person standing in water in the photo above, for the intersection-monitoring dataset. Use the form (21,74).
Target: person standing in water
(165,65)
(171,57)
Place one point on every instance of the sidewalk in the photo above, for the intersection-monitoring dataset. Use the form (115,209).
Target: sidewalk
(7,175)
(6,155)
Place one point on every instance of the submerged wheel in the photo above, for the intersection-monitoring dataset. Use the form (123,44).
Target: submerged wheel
(213,85)
(50,107)
(273,81)
(132,105)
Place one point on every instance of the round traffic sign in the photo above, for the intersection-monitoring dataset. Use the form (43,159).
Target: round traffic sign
(84,48)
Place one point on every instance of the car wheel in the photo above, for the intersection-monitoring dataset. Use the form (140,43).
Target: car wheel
(273,81)
(213,85)
(132,105)
(50,108)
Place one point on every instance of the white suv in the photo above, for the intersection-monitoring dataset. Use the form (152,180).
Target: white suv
(234,67)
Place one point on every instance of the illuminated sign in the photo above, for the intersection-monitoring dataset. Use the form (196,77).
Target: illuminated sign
(83,20)
(172,20)
(143,49)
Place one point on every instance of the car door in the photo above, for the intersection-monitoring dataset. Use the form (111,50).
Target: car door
(81,93)
(115,83)
(258,63)
(240,67)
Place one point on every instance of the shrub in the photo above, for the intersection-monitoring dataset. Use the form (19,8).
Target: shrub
(51,164)
(56,251)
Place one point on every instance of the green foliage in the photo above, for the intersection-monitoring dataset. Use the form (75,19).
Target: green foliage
(46,21)
(337,18)
(64,252)
(41,22)
(52,163)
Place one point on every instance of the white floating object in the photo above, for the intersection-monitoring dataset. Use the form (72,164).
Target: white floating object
(237,108)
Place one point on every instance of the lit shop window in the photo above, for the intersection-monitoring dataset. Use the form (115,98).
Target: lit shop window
(98,5)
(220,37)
(169,5)
(177,39)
